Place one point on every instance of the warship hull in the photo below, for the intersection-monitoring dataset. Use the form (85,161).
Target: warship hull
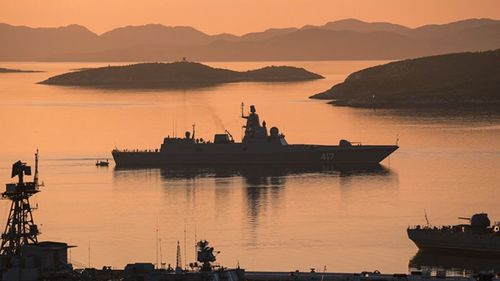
(450,242)
(244,154)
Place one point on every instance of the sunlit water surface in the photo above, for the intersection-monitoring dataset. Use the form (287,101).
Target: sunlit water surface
(448,165)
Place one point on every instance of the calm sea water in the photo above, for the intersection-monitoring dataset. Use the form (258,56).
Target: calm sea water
(448,165)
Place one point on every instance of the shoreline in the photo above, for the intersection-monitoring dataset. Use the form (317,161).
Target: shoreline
(416,104)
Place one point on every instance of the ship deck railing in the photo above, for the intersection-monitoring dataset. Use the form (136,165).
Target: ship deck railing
(444,228)
(137,150)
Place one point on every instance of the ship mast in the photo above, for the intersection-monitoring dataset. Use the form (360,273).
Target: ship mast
(35,177)
(20,229)
(178,260)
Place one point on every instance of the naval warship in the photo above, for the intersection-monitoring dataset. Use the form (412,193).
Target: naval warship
(477,236)
(258,146)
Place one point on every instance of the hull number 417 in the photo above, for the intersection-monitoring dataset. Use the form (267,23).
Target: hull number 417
(327,156)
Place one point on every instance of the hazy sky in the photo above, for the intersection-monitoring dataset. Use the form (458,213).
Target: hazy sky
(238,16)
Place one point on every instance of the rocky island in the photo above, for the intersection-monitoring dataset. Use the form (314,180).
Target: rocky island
(176,74)
(468,79)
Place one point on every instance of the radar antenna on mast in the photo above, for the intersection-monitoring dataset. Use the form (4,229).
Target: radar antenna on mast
(20,229)
(205,255)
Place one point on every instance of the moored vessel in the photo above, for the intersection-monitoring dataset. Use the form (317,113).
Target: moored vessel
(477,236)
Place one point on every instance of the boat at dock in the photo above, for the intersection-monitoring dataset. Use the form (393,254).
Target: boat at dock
(258,146)
(478,236)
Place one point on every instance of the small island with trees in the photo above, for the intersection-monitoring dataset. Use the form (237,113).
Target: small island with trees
(175,74)
(461,79)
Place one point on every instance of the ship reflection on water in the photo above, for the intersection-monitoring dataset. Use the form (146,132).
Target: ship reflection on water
(262,186)
(455,265)
(254,175)
(258,210)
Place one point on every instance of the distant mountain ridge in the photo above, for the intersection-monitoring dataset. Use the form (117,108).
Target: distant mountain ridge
(344,39)
(361,26)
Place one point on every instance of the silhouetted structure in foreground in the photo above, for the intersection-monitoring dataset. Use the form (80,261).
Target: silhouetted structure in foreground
(22,257)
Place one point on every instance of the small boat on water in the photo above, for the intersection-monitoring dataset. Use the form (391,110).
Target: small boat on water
(101,163)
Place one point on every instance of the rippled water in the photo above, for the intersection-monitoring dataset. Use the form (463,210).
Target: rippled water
(448,165)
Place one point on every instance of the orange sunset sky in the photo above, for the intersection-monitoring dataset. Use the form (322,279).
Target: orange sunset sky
(238,16)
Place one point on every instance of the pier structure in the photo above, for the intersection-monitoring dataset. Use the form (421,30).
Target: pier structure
(364,276)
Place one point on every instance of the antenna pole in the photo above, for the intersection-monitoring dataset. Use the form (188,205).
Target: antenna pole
(178,260)
(185,251)
(195,240)
(69,252)
(89,251)
(35,177)
(426,218)
(157,237)
(161,256)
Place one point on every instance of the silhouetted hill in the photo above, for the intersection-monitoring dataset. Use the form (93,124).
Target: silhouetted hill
(225,37)
(154,34)
(267,34)
(21,43)
(361,26)
(343,39)
(177,74)
(434,30)
(280,74)
(452,79)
